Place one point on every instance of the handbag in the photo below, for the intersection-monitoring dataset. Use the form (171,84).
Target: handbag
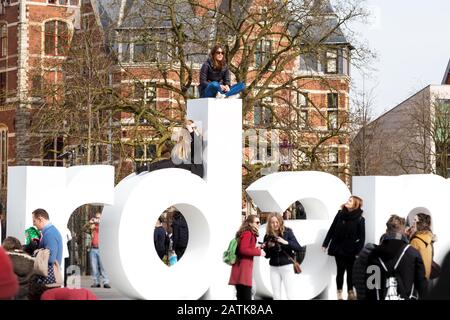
(58,276)
(40,266)
(435,270)
(297,268)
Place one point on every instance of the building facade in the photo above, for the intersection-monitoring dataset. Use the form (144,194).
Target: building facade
(411,138)
(150,82)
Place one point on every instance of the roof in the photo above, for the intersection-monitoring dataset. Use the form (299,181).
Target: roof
(323,25)
(446,79)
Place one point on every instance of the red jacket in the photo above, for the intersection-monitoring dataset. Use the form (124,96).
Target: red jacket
(94,235)
(68,294)
(241,271)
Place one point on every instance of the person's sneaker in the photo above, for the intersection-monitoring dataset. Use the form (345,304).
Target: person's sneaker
(106,286)
(220,95)
(95,285)
(234,96)
(351,295)
(339,295)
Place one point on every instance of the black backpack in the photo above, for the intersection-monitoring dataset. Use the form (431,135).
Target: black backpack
(393,284)
(359,270)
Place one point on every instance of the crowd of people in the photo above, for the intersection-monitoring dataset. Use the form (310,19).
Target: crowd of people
(171,236)
(402,261)
(33,271)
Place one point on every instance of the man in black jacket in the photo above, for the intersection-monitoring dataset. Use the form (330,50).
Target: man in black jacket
(410,271)
(180,234)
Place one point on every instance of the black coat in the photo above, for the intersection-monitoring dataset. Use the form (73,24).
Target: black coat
(209,74)
(410,270)
(180,233)
(441,291)
(347,233)
(161,241)
(277,253)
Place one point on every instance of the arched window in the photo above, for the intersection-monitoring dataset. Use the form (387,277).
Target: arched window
(3,39)
(3,155)
(56,38)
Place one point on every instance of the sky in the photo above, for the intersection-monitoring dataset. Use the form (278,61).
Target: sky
(412,41)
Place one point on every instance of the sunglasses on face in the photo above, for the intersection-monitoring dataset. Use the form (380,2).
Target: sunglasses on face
(219,52)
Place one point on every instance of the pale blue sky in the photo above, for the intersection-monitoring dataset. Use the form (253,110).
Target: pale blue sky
(412,41)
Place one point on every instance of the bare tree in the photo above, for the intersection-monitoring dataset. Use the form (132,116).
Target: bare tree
(426,146)
(368,143)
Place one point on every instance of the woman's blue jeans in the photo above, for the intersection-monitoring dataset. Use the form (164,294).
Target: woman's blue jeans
(214,87)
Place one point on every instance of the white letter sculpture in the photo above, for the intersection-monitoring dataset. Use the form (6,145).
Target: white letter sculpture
(211,207)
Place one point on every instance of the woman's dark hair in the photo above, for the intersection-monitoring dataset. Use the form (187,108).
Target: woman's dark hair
(11,244)
(245,226)
(217,65)
(423,222)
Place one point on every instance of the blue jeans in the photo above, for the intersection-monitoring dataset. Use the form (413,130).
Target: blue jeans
(214,87)
(96,266)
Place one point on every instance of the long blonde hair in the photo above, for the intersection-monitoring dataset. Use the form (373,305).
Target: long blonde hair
(269,230)
(182,148)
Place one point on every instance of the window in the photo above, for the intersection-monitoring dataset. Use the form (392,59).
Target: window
(264,151)
(151,46)
(333,157)
(56,38)
(262,116)
(443,160)
(263,52)
(144,153)
(3,39)
(51,150)
(145,92)
(64,2)
(3,155)
(331,63)
(3,87)
(125,51)
(143,52)
(308,62)
(332,111)
(193,91)
(36,85)
(302,107)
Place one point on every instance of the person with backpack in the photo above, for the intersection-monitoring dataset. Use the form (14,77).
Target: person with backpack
(279,244)
(396,268)
(422,240)
(344,240)
(242,268)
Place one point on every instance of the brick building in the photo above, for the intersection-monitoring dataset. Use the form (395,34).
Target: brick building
(36,34)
